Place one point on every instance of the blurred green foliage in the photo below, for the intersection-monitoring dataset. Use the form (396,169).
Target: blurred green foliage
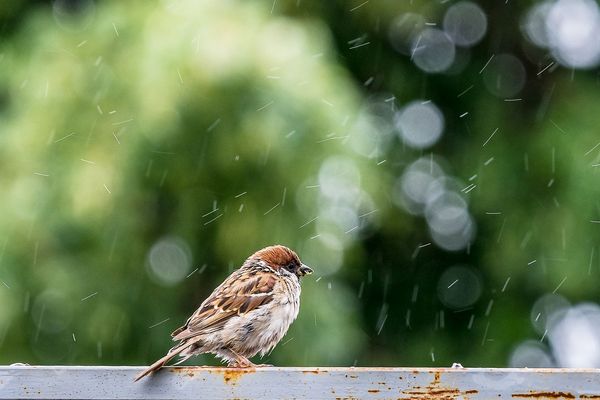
(223,127)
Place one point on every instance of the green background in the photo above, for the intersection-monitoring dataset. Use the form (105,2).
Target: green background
(213,129)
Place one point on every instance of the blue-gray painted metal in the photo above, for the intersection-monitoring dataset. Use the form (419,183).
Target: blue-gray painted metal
(46,382)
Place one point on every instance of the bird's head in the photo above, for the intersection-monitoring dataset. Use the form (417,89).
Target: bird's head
(281,258)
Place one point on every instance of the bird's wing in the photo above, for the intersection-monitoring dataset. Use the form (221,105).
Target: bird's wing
(242,292)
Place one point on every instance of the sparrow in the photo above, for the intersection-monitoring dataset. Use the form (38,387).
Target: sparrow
(247,314)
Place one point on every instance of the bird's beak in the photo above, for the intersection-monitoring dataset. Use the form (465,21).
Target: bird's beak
(305,270)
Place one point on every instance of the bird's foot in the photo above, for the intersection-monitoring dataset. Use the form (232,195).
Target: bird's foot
(242,365)
(241,362)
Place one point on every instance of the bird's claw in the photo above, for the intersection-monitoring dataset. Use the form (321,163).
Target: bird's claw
(242,364)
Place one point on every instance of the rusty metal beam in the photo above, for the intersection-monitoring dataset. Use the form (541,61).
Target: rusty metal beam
(46,382)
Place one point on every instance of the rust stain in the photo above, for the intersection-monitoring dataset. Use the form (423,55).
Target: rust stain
(311,371)
(589,396)
(232,375)
(373,390)
(436,391)
(544,395)
(189,371)
(436,379)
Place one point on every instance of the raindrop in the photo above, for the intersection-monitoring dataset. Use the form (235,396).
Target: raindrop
(447,214)
(339,179)
(504,76)
(372,131)
(573,28)
(459,287)
(450,224)
(574,336)
(420,124)
(547,305)
(433,50)
(457,241)
(443,185)
(534,24)
(530,354)
(403,29)
(410,190)
(169,261)
(466,23)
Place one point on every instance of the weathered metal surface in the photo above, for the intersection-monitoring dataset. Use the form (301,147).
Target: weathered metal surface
(31,382)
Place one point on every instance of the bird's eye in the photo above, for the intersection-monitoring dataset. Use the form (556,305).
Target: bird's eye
(289,267)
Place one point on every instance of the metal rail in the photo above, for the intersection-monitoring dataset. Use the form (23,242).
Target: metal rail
(60,382)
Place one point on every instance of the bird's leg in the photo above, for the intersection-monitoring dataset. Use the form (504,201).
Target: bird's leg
(243,362)
(239,361)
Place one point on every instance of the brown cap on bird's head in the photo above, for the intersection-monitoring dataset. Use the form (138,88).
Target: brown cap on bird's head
(278,257)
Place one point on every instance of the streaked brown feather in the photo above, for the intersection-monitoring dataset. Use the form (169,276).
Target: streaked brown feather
(237,295)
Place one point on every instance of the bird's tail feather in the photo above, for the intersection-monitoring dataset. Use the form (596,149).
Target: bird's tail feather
(162,361)
(184,358)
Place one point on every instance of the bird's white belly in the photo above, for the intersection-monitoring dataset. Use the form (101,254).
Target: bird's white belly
(275,327)
(261,329)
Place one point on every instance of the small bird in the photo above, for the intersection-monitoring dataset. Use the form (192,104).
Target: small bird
(247,314)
